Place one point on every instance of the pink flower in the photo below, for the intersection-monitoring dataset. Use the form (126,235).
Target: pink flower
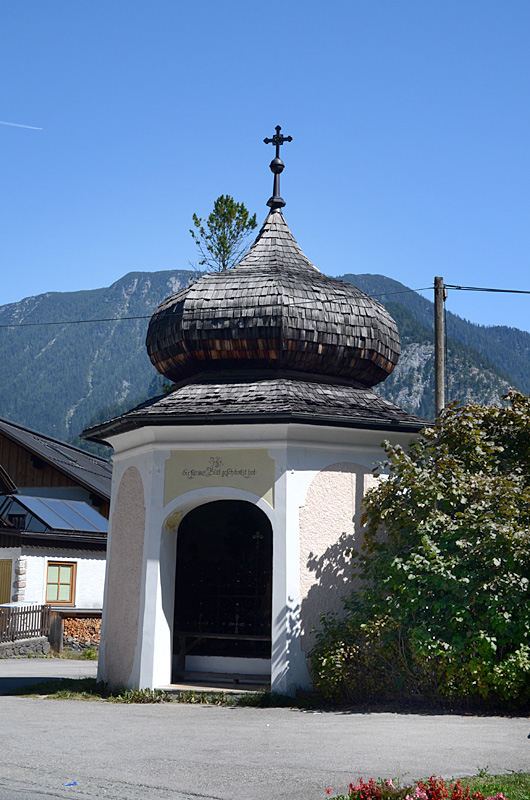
(390,783)
(329,790)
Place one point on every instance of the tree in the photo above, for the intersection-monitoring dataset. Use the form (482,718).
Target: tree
(443,605)
(222,240)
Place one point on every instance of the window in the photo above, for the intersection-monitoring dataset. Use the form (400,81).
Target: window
(60,583)
(17,520)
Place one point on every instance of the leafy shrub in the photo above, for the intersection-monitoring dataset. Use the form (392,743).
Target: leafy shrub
(443,608)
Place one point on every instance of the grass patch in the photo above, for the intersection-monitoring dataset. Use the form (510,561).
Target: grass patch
(63,689)
(90,689)
(515,786)
(192,697)
(259,699)
(88,654)
(139,696)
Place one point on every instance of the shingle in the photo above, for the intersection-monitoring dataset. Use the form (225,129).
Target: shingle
(212,398)
(275,282)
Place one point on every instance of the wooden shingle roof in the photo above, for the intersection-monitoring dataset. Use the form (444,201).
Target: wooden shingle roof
(242,397)
(274,310)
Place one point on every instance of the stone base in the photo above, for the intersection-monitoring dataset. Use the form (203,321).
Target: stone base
(75,646)
(39,646)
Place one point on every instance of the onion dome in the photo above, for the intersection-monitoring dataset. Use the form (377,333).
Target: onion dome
(274,311)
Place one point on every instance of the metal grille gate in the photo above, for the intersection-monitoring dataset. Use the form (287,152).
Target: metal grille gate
(224,581)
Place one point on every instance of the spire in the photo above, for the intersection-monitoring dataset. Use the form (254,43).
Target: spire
(277,166)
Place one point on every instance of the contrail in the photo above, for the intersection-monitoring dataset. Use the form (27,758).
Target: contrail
(18,125)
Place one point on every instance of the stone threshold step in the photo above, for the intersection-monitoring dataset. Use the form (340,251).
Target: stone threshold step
(178,689)
(217,682)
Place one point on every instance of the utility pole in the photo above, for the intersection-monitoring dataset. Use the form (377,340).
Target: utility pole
(440,293)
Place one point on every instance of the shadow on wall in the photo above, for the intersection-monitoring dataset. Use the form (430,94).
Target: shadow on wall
(330,526)
(286,649)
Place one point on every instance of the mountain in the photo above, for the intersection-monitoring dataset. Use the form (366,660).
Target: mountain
(57,376)
(482,363)
(507,348)
(61,376)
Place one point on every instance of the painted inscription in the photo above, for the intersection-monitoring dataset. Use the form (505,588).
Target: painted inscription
(252,470)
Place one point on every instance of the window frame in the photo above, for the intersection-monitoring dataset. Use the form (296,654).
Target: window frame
(73,574)
(18,521)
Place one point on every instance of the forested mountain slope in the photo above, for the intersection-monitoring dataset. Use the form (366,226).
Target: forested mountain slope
(58,377)
(508,348)
(55,377)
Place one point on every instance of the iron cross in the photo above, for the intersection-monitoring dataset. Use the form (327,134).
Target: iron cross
(278,139)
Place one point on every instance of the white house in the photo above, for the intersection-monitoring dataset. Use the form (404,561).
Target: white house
(53,521)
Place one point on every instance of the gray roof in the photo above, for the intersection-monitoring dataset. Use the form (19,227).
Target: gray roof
(65,524)
(279,397)
(90,471)
(6,484)
(274,310)
(64,515)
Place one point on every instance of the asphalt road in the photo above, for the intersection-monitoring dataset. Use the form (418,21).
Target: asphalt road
(127,752)
(17,672)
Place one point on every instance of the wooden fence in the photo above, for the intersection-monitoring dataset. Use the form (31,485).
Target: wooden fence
(24,622)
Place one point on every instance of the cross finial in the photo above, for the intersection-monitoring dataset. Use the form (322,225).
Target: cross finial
(278,139)
(277,166)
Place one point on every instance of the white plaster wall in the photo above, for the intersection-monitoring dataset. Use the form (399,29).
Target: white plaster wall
(328,472)
(154,653)
(147,613)
(125,549)
(301,452)
(90,576)
(330,525)
(90,580)
(9,552)
(35,577)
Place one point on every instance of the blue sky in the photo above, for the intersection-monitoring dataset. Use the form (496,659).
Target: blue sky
(410,124)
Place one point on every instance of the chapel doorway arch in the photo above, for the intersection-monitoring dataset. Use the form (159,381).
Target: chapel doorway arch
(223,588)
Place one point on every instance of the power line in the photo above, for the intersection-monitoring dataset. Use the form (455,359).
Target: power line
(486,289)
(72,321)
(402,291)
(300,303)
(148,316)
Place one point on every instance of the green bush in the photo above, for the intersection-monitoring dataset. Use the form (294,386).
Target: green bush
(443,609)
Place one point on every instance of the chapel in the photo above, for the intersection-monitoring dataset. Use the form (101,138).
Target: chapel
(236,496)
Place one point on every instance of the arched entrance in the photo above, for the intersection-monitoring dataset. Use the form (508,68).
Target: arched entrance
(223,589)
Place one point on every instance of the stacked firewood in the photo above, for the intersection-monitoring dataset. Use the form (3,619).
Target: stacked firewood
(85,630)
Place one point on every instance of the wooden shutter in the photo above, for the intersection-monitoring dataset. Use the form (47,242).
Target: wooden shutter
(5,580)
